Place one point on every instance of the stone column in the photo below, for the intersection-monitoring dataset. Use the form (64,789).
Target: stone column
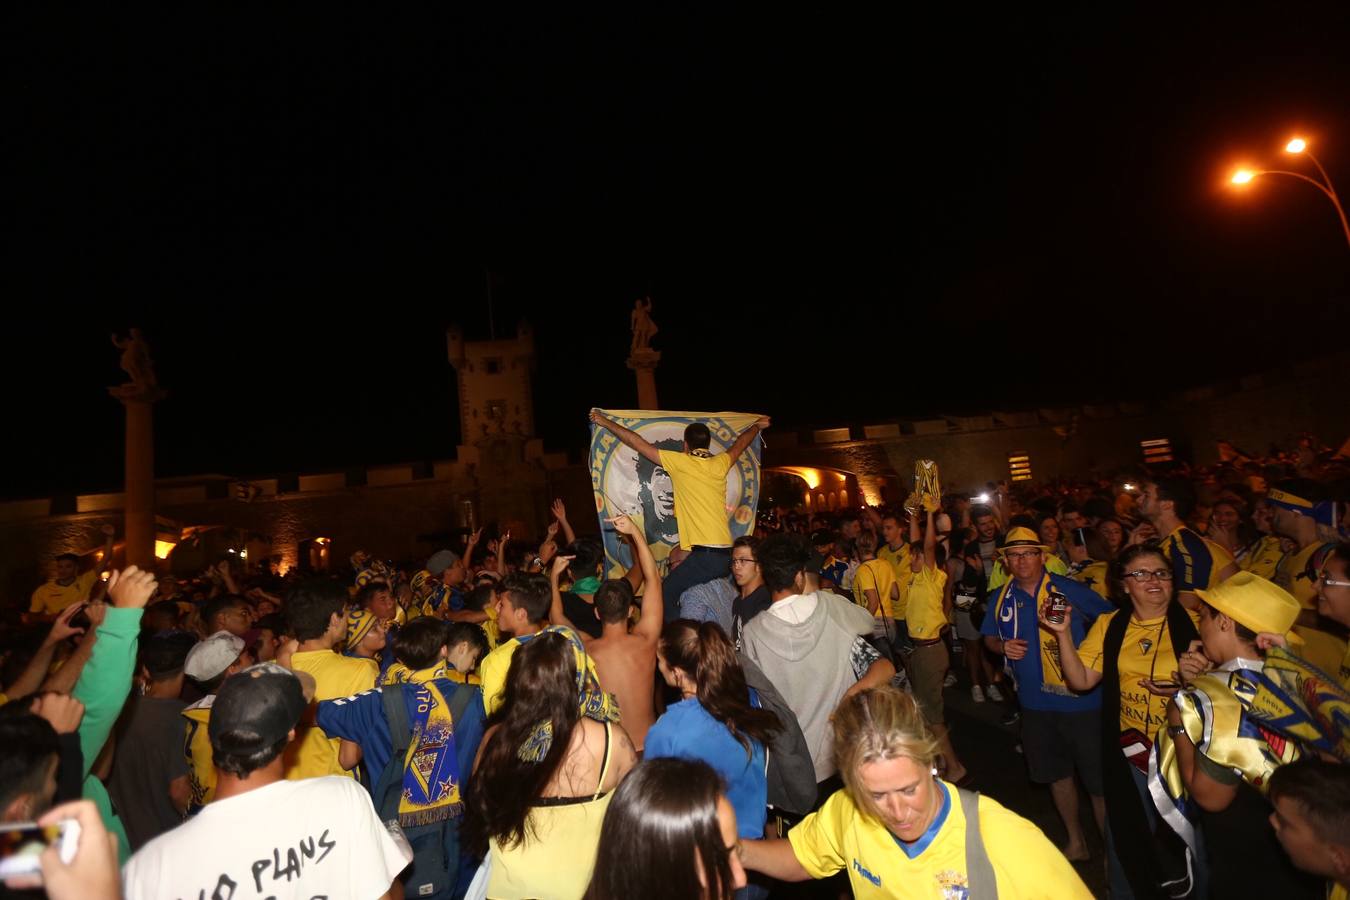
(643,363)
(139,504)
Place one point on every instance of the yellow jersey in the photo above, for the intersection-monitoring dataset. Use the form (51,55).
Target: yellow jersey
(899,560)
(1146,652)
(1298,573)
(313,753)
(841,836)
(197,749)
(876,575)
(50,598)
(926,617)
(700,497)
(1263,557)
(1326,651)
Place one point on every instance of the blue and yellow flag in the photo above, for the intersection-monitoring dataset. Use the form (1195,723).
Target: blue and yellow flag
(624,482)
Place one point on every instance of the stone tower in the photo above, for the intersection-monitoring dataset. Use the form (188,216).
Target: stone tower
(496,419)
(494,384)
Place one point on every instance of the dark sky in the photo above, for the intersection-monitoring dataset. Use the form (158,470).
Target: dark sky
(840,218)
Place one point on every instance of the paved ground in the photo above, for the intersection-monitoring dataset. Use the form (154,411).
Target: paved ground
(988,749)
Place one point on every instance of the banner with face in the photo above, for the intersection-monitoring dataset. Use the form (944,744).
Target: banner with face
(625,482)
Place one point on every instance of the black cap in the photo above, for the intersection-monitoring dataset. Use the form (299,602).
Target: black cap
(822,536)
(255,709)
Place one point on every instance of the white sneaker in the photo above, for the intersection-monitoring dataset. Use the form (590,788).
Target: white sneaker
(976,694)
(993,693)
(950,680)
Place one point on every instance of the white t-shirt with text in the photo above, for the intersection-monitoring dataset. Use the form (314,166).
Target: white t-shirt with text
(317,837)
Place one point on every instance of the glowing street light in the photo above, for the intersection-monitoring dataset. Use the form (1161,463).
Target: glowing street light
(1299,146)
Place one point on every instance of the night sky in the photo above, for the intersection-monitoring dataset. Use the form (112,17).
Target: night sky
(839,218)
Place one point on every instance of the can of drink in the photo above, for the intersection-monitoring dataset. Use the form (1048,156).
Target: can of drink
(1059,605)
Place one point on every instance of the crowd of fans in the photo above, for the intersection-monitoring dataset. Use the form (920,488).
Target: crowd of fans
(508,719)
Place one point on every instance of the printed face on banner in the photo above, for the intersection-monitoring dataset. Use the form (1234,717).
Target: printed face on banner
(626,482)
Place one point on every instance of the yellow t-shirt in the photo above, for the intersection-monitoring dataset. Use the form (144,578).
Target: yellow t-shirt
(1326,651)
(1146,652)
(50,598)
(197,749)
(492,670)
(700,497)
(1025,863)
(313,753)
(925,617)
(1264,558)
(899,560)
(1294,577)
(1345,669)
(876,575)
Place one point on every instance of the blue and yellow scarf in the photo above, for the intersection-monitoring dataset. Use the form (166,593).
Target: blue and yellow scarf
(431,777)
(593,702)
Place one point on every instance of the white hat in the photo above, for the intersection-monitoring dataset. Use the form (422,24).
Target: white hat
(213,655)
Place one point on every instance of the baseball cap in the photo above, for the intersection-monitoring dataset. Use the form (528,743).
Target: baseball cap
(213,655)
(255,709)
(822,536)
(441,560)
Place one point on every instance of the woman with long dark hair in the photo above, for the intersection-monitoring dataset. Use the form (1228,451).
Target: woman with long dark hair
(546,773)
(670,834)
(717,719)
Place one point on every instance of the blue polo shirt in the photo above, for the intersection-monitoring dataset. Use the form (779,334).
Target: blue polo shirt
(1016,618)
(688,731)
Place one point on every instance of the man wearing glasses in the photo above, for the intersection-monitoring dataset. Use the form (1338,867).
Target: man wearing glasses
(1061,728)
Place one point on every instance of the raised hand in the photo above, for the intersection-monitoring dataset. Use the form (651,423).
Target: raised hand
(61,628)
(63,711)
(624,525)
(131,588)
(559,510)
(762,423)
(559,565)
(1062,627)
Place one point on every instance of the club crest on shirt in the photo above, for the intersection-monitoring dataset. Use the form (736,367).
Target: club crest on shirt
(1146,645)
(953,885)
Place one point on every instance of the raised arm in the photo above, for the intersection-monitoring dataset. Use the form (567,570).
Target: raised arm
(556,616)
(915,560)
(649,626)
(560,513)
(745,437)
(629,437)
(31,678)
(502,542)
(1076,675)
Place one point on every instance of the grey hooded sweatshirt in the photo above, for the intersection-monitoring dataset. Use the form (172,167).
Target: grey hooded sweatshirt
(810,664)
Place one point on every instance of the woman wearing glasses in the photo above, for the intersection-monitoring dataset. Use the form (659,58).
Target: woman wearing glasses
(1137,652)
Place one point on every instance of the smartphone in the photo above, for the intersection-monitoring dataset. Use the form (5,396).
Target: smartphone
(22,843)
(1168,685)
(1080,537)
(81,618)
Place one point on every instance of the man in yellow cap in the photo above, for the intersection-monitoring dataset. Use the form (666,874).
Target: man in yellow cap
(1061,727)
(1212,745)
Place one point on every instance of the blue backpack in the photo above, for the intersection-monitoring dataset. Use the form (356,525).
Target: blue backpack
(436,860)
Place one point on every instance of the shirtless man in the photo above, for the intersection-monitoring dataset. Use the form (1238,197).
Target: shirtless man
(625,659)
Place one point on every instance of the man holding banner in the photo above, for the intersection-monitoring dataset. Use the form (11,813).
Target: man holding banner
(699,482)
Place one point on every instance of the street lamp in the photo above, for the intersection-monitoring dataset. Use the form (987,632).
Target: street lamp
(1299,146)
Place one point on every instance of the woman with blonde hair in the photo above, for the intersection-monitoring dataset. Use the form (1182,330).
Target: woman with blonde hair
(949,840)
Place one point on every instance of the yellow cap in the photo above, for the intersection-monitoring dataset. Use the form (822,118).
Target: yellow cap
(1021,537)
(1255,602)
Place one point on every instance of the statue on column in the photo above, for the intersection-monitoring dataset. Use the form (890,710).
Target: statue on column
(644,328)
(136,362)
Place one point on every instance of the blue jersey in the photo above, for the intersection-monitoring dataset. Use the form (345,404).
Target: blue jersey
(1040,679)
(360,718)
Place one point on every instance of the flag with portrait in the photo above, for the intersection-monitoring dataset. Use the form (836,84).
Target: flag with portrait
(625,482)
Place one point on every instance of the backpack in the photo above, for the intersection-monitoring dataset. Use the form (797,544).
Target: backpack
(435,865)
(791,774)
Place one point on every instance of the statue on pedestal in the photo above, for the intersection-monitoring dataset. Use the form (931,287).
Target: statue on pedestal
(644,328)
(137,364)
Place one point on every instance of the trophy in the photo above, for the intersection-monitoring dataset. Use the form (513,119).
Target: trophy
(927,494)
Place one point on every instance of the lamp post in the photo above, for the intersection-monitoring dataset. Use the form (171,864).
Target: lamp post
(1298,146)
